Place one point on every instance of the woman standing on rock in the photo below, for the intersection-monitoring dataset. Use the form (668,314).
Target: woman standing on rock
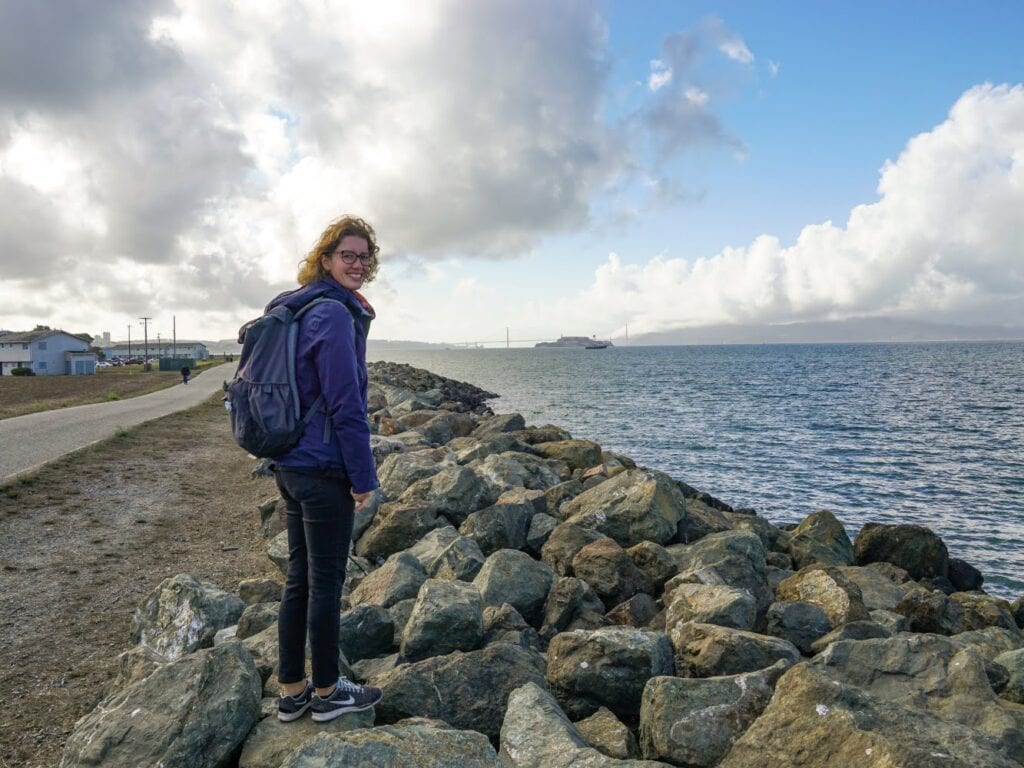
(330,473)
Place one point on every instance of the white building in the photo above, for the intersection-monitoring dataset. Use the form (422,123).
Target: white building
(46,352)
(183,349)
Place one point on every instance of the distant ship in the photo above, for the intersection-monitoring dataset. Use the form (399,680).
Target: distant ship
(577,342)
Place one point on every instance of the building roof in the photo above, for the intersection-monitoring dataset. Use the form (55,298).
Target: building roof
(153,343)
(26,336)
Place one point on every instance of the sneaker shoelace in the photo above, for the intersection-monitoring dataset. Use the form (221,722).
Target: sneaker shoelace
(347,685)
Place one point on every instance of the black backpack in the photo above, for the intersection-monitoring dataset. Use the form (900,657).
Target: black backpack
(263,399)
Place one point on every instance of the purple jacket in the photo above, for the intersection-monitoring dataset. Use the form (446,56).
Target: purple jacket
(331,358)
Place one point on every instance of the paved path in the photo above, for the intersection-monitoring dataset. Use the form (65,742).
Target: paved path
(28,442)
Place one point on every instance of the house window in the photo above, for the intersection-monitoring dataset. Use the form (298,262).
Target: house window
(41,345)
(24,346)
(41,365)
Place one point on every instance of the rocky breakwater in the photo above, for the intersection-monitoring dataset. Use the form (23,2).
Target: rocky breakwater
(525,598)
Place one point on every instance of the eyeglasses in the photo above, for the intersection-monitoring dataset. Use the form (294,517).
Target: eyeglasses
(349,257)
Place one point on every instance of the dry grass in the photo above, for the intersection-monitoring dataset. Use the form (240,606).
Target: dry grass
(30,394)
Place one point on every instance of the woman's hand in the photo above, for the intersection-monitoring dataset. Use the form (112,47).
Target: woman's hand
(361,499)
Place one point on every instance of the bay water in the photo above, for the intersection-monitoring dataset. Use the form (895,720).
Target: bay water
(925,433)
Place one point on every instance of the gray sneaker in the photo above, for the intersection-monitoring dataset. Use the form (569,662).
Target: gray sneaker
(346,697)
(293,707)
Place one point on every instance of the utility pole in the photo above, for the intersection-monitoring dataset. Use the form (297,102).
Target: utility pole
(159,347)
(174,331)
(145,332)
(129,341)
(507,344)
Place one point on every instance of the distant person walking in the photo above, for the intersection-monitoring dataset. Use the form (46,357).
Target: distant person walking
(329,474)
(185,373)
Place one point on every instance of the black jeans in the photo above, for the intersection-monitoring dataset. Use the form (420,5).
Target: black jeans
(320,513)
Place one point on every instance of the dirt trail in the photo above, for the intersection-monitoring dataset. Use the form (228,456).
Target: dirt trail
(83,541)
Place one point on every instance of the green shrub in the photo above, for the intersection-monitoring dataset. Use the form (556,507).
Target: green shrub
(21,372)
(112,395)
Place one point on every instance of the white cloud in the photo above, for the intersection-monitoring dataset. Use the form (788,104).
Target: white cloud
(773,67)
(696,96)
(943,241)
(734,48)
(660,76)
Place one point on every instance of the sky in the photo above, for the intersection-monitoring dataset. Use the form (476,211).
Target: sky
(532,167)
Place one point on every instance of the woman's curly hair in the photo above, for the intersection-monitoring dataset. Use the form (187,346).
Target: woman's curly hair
(311,267)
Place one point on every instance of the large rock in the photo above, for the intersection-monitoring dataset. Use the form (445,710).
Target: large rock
(500,526)
(634,506)
(638,611)
(855,630)
(708,650)
(557,495)
(447,616)
(1013,662)
(981,610)
(182,615)
(466,690)
(398,579)
(400,470)
(270,742)
(733,559)
(914,548)
(399,525)
(571,604)
(608,735)
(365,631)
(609,569)
(509,470)
(878,592)
(444,553)
(578,454)
(703,520)
(606,667)
(541,526)
(654,560)
(562,544)
(470,449)
(694,722)
(798,622)
(498,424)
(931,611)
(455,491)
(515,578)
(410,746)
(195,711)
(820,538)
(428,550)
(816,722)
(711,604)
(277,551)
(255,618)
(537,734)
(504,624)
(252,591)
(964,576)
(827,588)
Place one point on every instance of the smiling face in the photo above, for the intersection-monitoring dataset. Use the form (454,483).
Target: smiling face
(350,276)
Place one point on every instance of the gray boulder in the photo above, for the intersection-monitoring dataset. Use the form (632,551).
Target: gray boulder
(1013,662)
(400,470)
(277,551)
(609,569)
(654,560)
(981,610)
(398,579)
(513,577)
(638,611)
(878,591)
(608,735)
(537,734)
(564,541)
(733,559)
(182,615)
(270,742)
(606,667)
(255,618)
(931,611)
(497,424)
(500,526)
(470,449)
(708,650)
(428,549)
(578,454)
(814,721)
(466,690)
(195,711)
(703,520)
(711,604)
(798,622)
(891,620)
(407,746)
(634,506)
(447,616)
(504,624)
(399,525)
(455,491)
(271,517)
(990,641)
(365,631)
(820,538)
(571,604)
(557,495)
(509,470)
(855,630)
(694,722)
(461,560)
(252,591)
(916,549)
(541,526)
(827,588)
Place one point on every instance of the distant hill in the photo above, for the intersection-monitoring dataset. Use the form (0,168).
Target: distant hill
(858,330)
